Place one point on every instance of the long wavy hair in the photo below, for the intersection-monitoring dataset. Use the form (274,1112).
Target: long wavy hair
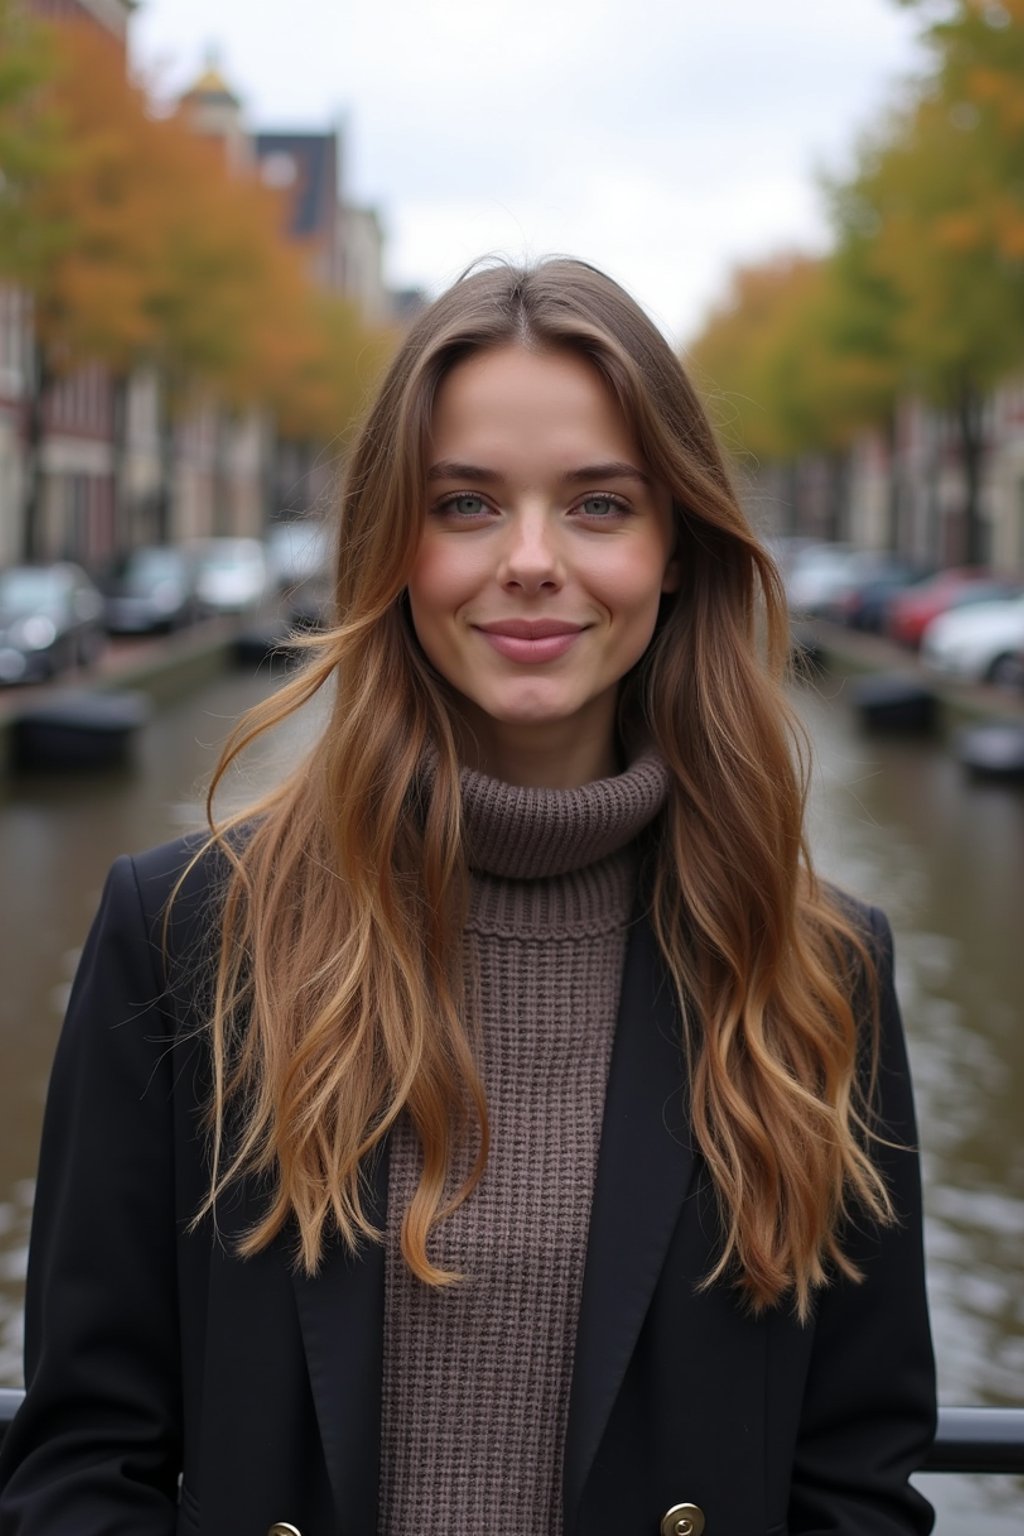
(337,997)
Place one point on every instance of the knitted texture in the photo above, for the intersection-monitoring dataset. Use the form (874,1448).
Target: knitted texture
(476,1377)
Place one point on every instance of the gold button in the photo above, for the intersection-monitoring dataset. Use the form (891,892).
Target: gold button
(683,1520)
(282,1528)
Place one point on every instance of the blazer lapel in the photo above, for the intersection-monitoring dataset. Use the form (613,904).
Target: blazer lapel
(644,1169)
(341,1314)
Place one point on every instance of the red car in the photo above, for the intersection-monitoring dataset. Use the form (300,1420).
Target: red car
(910,612)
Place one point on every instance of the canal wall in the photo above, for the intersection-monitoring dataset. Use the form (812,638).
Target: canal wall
(851,653)
(163,669)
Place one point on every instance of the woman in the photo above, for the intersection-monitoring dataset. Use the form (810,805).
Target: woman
(499,1125)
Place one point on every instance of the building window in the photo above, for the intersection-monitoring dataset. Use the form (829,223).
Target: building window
(278,169)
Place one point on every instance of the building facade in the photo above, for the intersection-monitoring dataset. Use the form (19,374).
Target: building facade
(906,489)
(75,516)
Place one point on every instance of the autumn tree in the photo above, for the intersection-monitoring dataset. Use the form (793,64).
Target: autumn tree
(777,383)
(93,229)
(33,150)
(228,300)
(863,326)
(328,385)
(30,141)
(934,221)
(157,255)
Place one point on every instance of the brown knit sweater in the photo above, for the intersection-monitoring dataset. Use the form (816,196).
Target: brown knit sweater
(476,1377)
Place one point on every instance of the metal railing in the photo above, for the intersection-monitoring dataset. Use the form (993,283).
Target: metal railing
(968,1439)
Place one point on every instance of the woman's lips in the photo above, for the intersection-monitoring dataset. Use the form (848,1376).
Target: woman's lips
(522,642)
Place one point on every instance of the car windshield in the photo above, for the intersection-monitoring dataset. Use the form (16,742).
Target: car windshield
(230,555)
(26,590)
(825,560)
(985,592)
(146,567)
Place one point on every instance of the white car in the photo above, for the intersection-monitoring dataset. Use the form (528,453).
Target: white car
(298,550)
(816,574)
(980,643)
(232,576)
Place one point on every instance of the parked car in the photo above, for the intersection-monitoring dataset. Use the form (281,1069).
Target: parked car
(299,557)
(814,574)
(912,611)
(786,548)
(51,618)
(1014,671)
(232,574)
(298,550)
(874,580)
(151,588)
(980,643)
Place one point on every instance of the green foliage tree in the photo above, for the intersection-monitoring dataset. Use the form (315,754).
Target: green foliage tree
(923,292)
(863,323)
(30,140)
(34,149)
(931,227)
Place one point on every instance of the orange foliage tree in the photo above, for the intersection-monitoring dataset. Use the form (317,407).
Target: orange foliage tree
(330,384)
(777,382)
(923,291)
(156,255)
(932,226)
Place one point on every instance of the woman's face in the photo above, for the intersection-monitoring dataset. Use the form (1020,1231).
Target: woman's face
(545,552)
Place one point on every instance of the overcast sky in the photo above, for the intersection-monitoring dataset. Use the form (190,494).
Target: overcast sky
(663,140)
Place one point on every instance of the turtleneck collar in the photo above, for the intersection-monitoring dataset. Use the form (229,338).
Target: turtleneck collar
(529,834)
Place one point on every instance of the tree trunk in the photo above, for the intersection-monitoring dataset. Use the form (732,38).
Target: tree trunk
(123,530)
(224,514)
(972,451)
(892,505)
(271,472)
(838,470)
(165,474)
(791,498)
(40,385)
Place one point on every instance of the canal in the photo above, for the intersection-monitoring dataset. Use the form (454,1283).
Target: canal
(894,821)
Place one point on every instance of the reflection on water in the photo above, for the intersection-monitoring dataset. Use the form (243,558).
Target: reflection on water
(895,822)
(58,837)
(899,823)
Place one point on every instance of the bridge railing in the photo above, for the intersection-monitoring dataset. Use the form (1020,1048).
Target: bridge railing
(968,1439)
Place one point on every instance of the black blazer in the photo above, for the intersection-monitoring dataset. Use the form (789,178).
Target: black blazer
(154,1357)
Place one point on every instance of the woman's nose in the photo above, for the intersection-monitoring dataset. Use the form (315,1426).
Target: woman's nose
(531,560)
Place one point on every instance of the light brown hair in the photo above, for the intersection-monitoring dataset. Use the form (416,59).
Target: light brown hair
(338,996)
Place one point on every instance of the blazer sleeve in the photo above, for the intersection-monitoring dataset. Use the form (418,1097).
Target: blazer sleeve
(96,1445)
(868,1414)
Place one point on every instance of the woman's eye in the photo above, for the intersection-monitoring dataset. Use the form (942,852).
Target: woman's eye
(601,506)
(464,505)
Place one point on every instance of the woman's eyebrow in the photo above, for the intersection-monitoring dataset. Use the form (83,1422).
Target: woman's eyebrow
(616,469)
(448,469)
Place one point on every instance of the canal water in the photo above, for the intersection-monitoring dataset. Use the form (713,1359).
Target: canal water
(893,821)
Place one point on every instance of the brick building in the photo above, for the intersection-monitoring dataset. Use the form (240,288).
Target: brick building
(77,515)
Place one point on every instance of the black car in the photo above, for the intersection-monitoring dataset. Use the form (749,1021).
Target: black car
(151,588)
(51,618)
(874,579)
